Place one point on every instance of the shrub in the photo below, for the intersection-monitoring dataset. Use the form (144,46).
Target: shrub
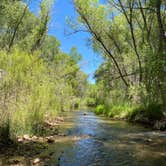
(134,112)
(120,111)
(28,91)
(90,102)
(152,112)
(100,109)
(76,105)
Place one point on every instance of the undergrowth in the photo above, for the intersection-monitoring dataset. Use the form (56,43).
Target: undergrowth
(131,112)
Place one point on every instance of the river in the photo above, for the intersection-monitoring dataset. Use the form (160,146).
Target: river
(91,140)
(103,142)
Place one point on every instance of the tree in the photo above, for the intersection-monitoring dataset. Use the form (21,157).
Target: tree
(124,31)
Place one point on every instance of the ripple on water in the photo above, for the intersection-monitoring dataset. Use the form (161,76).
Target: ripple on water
(113,143)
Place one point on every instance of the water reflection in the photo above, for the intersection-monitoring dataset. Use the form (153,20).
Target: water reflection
(112,143)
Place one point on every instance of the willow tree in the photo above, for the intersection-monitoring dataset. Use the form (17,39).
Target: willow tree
(130,33)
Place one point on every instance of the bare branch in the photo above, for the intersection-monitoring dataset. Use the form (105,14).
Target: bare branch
(75,31)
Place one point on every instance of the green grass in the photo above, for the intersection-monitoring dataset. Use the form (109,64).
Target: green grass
(131,112)
(100,109)
(152,112)
(118,111)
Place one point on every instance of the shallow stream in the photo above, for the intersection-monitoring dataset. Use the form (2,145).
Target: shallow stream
(103,142)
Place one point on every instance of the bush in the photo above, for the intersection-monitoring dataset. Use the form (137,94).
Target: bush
(29,90)
(152,112)
(115,111)
(120,111)
(132,112)
(90,102)
(100,109)
(76,105)
(135,112)
(35,120)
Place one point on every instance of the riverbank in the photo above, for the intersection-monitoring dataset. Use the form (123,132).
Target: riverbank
(33,149)
(39,150)
(151,116)
(105,142)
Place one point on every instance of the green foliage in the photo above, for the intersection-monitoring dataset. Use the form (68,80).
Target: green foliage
(90,102)
(100,109)
(40,81)
(31,88)
(132,112)
(75,55)
(120,111)
(133,48)
(24,87)
(114,111)
(151,113)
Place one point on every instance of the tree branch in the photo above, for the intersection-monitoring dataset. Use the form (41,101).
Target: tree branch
(104,47)
(130,22)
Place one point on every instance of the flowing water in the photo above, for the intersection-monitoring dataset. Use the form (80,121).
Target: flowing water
(103,142)
(92,140)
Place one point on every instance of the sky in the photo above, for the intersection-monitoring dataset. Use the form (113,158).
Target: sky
(62,9)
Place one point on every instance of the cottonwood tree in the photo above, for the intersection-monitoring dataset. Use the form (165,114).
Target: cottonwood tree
(131,34)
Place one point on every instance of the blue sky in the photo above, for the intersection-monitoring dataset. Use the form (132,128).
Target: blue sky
(60,10)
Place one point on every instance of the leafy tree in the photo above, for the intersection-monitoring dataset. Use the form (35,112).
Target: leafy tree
(130,34)
(37,79)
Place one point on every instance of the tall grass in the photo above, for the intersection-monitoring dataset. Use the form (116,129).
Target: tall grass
(132,112)
(116,111)
(29,90)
